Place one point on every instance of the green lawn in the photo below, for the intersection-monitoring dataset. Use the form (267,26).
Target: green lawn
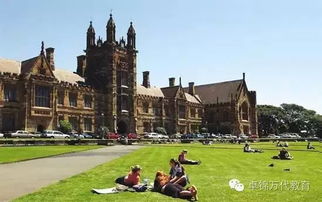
(220,163)
(13,154)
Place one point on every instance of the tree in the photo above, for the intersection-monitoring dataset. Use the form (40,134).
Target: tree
(160,130)
(65,126)
(271,120)
(103,131)
(288,118)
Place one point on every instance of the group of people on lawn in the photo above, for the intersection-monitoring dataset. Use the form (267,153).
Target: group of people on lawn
(283,154)
(172,184)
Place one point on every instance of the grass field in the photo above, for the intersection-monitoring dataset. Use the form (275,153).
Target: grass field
(14,154)
(220,163)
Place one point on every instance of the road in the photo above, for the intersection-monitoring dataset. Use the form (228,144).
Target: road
(18,179)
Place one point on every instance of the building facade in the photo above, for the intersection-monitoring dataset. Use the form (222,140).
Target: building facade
(35,95)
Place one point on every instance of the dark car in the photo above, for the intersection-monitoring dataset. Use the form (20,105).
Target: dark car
(187,136)
(114,136)
(88,135)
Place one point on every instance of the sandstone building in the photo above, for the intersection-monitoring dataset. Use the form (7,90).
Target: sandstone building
(35,95)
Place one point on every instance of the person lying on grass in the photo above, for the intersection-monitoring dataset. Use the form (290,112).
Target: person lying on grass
(133,177)
(163,185)
(280,144)
(182,159)
(177,173)
(283,155)
(250,150)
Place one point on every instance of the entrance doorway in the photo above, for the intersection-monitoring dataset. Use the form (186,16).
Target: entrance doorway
(121,127)
(40,128)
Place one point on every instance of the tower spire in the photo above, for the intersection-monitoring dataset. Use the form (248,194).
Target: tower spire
(42,48)
(131,37)
(90,35)
(110,30)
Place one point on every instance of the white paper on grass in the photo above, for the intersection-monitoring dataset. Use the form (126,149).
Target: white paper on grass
(106,191)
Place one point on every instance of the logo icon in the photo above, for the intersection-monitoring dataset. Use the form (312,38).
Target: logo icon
(235,184)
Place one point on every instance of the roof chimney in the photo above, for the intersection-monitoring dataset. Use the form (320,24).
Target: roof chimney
(50,57)
(81,65)
(146,79)
(192,90)
(244,76)
(172,81)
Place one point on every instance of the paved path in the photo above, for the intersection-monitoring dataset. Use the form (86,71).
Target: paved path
(17,179)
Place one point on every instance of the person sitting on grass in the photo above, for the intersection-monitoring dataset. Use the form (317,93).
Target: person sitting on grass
(177,174)
(133,177)
(283,155)
(309,146)
(248,149)
(163,185)
(182,159)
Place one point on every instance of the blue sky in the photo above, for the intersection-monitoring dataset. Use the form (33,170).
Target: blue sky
(277,43)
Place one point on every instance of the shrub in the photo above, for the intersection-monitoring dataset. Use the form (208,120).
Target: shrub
(65,126)
(160,130)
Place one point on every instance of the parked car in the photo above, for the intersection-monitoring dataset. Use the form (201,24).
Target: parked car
(286,135)
(88,136)
(112,136)
(132,136)
(21,134)
(229,136)
(187,136)
(199,136)
(273,136)
(76,135)
(1,135)
(36,134)
(254,136)
(243,136)
(161,136)
(54,134)
(209,135)
(152,136)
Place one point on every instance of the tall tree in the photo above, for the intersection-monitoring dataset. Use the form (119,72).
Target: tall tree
(288,118)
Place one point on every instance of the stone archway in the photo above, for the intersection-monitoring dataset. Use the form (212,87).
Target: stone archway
(122,127)
(40,128)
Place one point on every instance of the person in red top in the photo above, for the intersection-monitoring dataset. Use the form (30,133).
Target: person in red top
(133,178)
(182,159)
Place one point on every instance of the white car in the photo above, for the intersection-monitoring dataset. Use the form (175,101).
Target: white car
(1,135)
(273,136)
(21,133)
(161,136)
(55,134)
(152,136)
(229,136)
(243,136)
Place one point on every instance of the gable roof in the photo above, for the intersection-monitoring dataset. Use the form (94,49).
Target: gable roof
(152,91)
(11,66)
(223,91)
(67,76)
(170,91)
(27,65)
(193,99)
(17,67)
